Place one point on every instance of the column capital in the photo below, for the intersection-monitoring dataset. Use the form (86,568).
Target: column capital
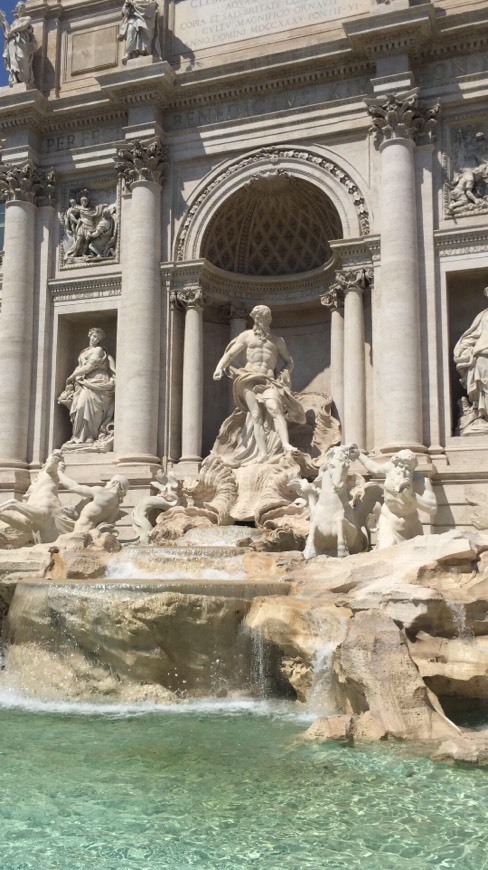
(402,116)
(25,183)
(141,161)
(333,298)
(346,281)
(189,296)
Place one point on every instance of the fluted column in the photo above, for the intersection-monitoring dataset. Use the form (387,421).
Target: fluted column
(24,187)
(192,300)
(141,166)
(398,121)
(334,301)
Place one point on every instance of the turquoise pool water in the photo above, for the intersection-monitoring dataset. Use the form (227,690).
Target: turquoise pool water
(224,789)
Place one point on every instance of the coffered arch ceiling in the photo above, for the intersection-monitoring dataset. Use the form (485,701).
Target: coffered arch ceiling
(275,224)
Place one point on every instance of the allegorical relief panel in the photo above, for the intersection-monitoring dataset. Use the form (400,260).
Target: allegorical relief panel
(466,167)
(89,226)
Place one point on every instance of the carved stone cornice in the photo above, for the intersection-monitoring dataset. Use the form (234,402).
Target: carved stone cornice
(68,290)
(26,183)
(402,116)
(141,161)
(189,296)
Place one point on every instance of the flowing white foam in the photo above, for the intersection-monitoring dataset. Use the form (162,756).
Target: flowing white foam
(11,699)
(130,570)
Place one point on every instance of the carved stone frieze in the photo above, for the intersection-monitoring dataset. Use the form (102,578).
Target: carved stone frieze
(402,116)
(27,183)
(275,154)
(141,161)
(88,288)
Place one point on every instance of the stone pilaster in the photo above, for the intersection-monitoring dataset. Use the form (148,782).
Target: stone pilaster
(398,122)
(191,298)
(141,168)
(333,299)
(24,188)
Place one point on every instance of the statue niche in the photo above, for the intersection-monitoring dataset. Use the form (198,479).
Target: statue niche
(89,396)
(471,359)
(20,46)
(140,29)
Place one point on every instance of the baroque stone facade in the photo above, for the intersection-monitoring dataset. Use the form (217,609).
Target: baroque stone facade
(328,160)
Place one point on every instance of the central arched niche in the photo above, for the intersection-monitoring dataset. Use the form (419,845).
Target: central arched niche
(275,224)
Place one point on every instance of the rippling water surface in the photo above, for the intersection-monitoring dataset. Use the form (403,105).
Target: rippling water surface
(222,788)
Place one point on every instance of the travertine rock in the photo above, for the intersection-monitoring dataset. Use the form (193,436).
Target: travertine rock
(298,629)
(376,672)
(184,642)
(455,667)
(469,748)
(330,728)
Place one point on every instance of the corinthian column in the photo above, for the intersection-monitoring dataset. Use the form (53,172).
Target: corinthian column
(141,167)
(192,300)
(398,120)
(23,187)
(334,301)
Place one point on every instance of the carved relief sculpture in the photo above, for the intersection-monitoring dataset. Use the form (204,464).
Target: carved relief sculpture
(20,46)
(471,359)
(90,231)
(467,192)
(261,388)
(139,29)
(89,396)
(406,491)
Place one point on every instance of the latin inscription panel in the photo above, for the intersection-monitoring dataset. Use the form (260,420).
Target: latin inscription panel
(203,23)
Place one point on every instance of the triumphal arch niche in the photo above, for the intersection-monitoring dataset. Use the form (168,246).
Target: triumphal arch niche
(169,166)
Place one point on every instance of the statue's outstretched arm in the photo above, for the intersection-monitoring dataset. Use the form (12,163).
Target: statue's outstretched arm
(379,468)
(72,486)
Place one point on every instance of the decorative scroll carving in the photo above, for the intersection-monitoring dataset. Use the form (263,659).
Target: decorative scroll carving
(27,183)
(352,279)
(275,154)
(402,116)
(141,161)
(187,297)
(333,298)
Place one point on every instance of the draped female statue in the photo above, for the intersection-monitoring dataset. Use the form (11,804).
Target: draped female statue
(471,359)
(20,45)
(89,395)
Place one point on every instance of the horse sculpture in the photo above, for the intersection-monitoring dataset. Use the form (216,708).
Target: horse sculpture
(41,516)
(337,524)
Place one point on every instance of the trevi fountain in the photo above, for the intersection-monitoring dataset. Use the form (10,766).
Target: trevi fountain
(244,434)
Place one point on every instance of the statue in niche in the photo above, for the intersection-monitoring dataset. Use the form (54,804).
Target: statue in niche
(139,29)
(90,231)
(20,46)
(406,491)
(471,359)
(261,389)
(89,396)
